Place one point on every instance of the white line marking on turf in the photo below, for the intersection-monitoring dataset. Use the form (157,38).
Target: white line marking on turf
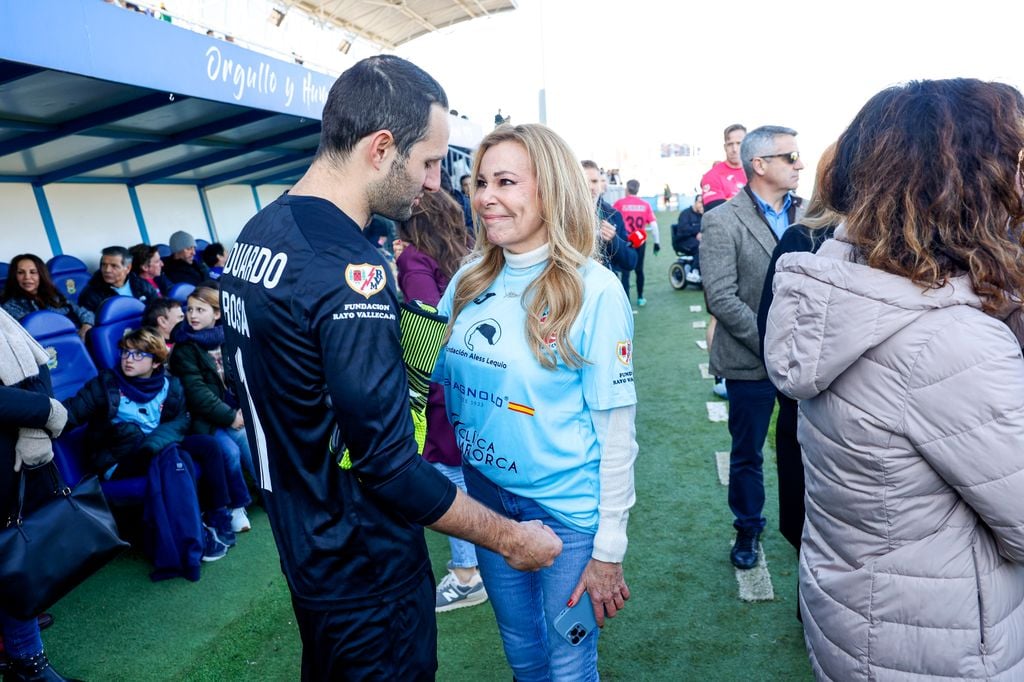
(700,324)
(702,344)
(756,583)
(704,371)
(722,464)
(718,411)
(695,309)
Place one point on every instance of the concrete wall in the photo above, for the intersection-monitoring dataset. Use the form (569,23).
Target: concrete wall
(88,217)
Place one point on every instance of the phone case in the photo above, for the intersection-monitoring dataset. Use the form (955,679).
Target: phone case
(576,623)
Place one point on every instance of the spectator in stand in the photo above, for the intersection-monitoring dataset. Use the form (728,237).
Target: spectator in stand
(135,411)
(115,278)
(197,361)
(434,245)
(901,338)
(182,267)
(465,182)
(29,288)
(640,222)
(214,256)
(29,419)
(162,315)
(615,252)
(147,264)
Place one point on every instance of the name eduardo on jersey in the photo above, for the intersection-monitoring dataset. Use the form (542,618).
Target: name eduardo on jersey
(254,264)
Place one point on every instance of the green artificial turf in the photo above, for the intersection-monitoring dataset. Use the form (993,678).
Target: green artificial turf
(684,621)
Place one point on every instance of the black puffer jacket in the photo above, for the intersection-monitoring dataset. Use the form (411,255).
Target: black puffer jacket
(109,443)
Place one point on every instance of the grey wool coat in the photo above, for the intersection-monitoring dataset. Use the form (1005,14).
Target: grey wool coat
(912,429)
(735,251)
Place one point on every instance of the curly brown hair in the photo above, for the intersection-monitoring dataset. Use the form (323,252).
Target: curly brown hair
(437,227)
(926,177)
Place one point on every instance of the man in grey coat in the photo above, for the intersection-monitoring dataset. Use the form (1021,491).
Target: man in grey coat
(739,238)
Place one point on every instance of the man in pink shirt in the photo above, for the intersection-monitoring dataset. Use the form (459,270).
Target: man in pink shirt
(726,178)
(640,222)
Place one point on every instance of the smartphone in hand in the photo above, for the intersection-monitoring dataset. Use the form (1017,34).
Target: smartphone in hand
(576,623)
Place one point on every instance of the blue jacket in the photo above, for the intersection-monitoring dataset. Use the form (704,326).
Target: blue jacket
(617,254)
(174,529)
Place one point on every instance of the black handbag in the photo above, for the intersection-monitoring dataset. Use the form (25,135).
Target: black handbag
(48,553)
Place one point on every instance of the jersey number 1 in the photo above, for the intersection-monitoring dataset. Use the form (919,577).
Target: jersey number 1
(262,464)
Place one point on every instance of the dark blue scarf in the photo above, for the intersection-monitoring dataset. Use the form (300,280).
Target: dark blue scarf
(139,389)
(207,339)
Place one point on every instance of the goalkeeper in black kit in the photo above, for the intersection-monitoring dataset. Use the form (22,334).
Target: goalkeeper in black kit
(312,350)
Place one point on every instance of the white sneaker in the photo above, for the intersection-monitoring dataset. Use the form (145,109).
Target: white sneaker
(240,520)
(451,594)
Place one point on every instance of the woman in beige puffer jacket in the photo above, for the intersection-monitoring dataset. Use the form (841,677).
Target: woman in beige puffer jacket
(902,340)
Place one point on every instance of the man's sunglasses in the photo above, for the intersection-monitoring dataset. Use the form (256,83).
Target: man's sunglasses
(135,355)
(789,157)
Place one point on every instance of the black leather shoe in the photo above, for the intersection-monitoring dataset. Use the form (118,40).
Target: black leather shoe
(34,669)
(744,550)
(45,620)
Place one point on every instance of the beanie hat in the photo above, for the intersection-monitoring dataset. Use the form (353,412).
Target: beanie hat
(180,241)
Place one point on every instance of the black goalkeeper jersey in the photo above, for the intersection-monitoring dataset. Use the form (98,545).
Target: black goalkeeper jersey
(312,348)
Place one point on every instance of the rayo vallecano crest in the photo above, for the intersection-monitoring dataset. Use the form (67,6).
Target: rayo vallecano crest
(365,279)
(624,352)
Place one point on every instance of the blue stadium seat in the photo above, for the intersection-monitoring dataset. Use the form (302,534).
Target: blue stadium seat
(69,454)
(69,275)
(70,364)
(164,249)
(71,284)
(4,267)
(201,244)
(63,264)
(115,317)
(180,292)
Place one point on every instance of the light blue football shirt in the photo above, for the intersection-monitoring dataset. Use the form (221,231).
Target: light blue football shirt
(526,428)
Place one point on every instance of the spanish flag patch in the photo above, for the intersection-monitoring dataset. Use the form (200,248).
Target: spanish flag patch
(521,409)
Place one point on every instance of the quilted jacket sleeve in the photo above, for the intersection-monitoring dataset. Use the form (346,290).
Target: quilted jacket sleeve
(964,413)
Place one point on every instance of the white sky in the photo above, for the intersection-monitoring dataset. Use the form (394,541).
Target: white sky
(631,75)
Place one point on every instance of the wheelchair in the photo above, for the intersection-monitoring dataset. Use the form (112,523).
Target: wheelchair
(682,273)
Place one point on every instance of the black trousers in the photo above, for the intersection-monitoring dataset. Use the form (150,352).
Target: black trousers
(639,272)
(791,472)
(386,642)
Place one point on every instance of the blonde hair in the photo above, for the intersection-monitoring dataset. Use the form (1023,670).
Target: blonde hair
(554,299)
(208,295)
(819,214)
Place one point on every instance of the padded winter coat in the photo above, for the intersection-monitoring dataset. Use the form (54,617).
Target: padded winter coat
(912,429)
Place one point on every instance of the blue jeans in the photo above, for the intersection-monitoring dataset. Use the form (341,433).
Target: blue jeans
(750,412)
(235,447)
(463,553)
(526,604)
(21,637)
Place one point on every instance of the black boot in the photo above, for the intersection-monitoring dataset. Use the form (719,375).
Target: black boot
(34,669)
